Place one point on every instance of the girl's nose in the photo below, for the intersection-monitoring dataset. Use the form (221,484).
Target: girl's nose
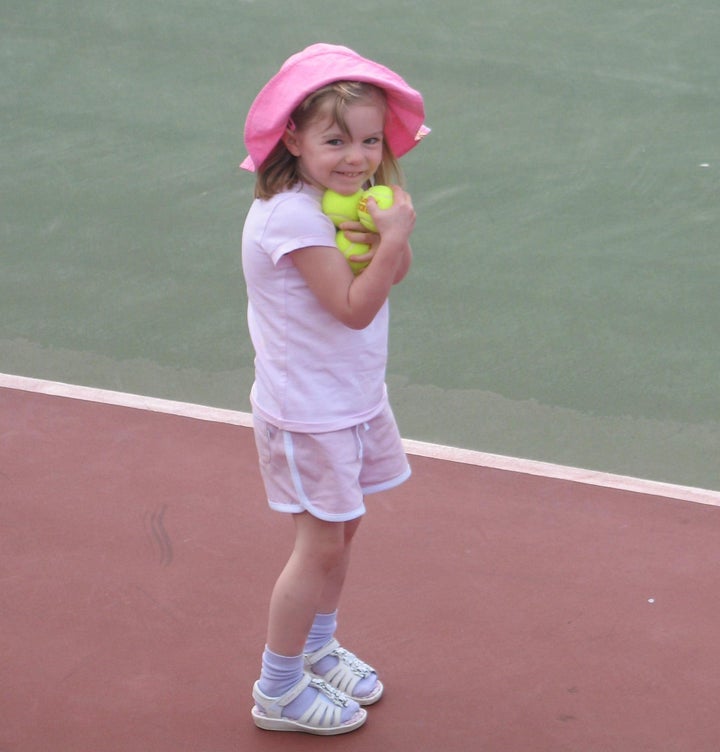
(354,154)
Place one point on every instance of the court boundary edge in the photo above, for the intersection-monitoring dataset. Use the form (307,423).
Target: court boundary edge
(413,447)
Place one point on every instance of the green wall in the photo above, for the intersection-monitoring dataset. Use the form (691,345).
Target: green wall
(563,304)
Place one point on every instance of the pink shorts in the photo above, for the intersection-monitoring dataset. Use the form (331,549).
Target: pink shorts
(328,474)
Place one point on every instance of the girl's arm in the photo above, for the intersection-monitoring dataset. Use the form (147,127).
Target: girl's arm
(355,301)
(404,267)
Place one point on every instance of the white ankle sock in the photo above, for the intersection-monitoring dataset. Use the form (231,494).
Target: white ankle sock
(279,673)
(321,632)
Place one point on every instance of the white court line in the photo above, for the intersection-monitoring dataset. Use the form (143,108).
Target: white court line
(420,448)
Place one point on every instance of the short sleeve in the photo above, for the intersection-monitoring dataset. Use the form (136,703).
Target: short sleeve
(296,222)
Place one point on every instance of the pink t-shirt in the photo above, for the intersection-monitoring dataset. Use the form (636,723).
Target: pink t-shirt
(312,373)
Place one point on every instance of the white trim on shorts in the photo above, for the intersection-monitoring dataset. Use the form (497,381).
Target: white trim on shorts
(297,478)
(288,488)
(392,483)
(294,472)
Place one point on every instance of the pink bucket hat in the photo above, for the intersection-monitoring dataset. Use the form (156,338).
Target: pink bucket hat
(315,67)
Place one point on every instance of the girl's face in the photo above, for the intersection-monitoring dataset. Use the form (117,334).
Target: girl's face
(330,157)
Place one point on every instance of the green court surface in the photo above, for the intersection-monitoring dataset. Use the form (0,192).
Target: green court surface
(563,305)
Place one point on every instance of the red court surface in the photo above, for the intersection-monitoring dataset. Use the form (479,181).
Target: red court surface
(506,612)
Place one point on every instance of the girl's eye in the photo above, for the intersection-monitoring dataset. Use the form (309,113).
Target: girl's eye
(335,141)
(372,141)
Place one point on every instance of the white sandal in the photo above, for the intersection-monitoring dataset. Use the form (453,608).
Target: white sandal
(320,718)
(346,674)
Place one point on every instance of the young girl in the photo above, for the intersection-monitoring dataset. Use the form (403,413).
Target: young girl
(324,430)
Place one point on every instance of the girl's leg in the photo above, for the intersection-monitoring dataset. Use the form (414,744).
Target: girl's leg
(336,578)
(325,622)
(316,566)
(323,627)
(311,581)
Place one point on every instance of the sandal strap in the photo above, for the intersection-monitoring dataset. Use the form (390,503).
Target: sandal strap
(361,669)
(324,651)
(273,706)
(321,714)
(349,670)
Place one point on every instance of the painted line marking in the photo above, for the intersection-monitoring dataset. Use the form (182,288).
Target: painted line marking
(419,448)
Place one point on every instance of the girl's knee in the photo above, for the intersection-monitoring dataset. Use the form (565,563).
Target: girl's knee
(323,544)
(329,553)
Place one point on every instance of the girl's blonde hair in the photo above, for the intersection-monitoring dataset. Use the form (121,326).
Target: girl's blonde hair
(280,170)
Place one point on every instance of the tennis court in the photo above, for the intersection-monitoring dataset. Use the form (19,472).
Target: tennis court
(547,579)
(505,610)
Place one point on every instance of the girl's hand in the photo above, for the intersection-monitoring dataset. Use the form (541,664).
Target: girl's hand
(397,222)
(394,224)
(357,233)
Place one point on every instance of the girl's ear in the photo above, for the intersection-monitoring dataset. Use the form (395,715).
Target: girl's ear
(291,143)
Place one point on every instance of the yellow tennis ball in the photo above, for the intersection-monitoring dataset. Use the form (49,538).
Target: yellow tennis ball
(348,248)
(383,194)
(341,208)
